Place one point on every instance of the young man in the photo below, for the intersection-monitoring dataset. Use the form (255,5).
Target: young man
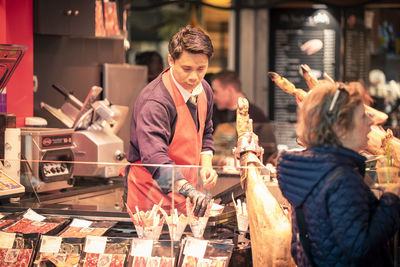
(227,89)
(168,129)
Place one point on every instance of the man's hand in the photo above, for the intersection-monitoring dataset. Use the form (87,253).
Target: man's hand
(199,199)
(200,202)
(209,177)
(207,174)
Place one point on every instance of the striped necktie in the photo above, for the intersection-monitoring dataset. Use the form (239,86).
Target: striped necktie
(193,99)
(192,106)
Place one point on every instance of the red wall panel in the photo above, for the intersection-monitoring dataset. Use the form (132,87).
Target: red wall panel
(2,20)
(16,27)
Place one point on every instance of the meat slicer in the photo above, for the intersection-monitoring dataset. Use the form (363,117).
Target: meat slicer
(98,151)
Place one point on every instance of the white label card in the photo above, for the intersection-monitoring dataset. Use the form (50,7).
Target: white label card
(50,244)
(80,223)
(31,215)
(95,244)
(195,247)
(6,239)
(141,247)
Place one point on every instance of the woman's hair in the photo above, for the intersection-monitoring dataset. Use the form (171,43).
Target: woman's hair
(316,122)
(192,40)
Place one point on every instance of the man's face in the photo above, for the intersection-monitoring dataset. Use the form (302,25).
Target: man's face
(189,69)
(222,95)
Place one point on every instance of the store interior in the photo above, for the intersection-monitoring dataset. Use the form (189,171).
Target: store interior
(69,80)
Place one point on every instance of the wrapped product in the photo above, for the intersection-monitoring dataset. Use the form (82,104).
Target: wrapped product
(6,220)
(196,252)
(81,228)
(102,251)
(17,249)
(58,251)
(32,222)
(153,253)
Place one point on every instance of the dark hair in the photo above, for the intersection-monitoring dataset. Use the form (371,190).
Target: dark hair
(315,125)
(144,58)
(228,77)
(153,61)
(192,40)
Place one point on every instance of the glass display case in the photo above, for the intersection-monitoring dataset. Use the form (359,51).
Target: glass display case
(88,219)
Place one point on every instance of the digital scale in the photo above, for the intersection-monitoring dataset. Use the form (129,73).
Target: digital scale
(46,158)
(8,186)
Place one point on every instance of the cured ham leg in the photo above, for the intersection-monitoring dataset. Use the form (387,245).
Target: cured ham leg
(270,229)
(377,116)
(287,86)
(311,81)
(376,139)
(393,144)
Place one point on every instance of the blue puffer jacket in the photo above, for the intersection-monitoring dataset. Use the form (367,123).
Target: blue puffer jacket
(346,223)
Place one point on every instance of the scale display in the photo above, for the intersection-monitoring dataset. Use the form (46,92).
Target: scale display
(8,186)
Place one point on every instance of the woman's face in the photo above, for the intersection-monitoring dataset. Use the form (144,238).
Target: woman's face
(356,138)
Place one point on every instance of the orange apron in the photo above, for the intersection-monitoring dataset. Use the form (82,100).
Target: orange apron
(184,149)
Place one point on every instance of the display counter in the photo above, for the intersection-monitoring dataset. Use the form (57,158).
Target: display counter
(99,199)
(88,206)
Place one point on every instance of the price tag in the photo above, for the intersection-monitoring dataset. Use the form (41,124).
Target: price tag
(6,240)
(50,244)
(95,244)
(141,247)
(31,215)
(195,247)
(38,224)
(86,230)
(80,223)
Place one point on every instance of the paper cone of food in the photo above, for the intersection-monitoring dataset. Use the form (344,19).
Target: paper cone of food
(153,232)
(176,224)
(148,224)
(198,224)
(139,230)
(241,215)
(176,230)
(137,222)
(243,222)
